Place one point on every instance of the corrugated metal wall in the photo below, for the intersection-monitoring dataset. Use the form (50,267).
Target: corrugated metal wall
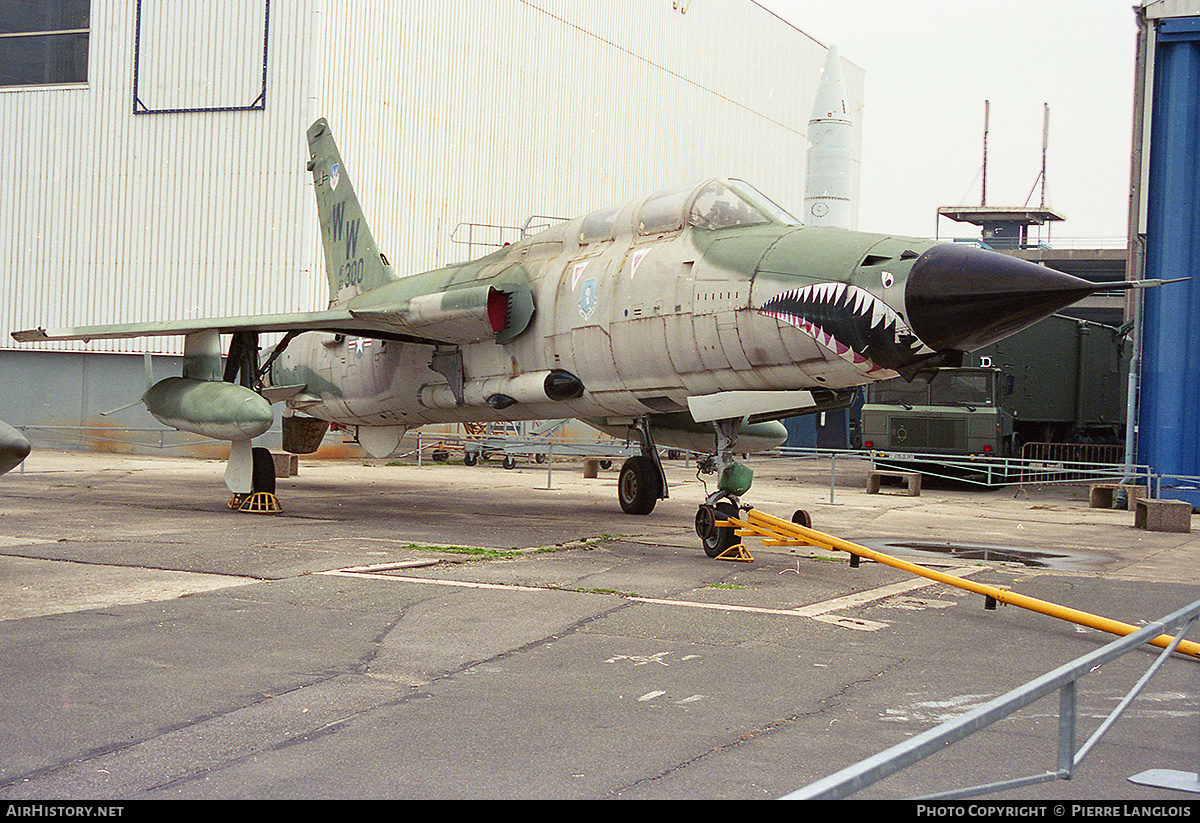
(114,217)
(466,111)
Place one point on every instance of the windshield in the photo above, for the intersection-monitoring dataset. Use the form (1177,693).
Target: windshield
(950,387)
(765,204)
(957,388)
(719,207)
(899,392)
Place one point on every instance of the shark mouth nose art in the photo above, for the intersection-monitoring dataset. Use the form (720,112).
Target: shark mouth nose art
(851,322)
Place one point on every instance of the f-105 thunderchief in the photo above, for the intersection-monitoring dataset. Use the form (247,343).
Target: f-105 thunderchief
(696,318)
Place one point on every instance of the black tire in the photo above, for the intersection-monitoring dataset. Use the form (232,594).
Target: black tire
(509,462)
(606,464)
(802,518)
(262,477)
(639,486)
(716,539)
(440,456)
(471,458)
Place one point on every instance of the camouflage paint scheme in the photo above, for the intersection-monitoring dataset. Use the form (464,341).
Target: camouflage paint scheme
(687,316)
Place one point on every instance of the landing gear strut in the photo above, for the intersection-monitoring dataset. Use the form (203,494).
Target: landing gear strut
(261,498)
(241,365)
(642,481)
(733,481)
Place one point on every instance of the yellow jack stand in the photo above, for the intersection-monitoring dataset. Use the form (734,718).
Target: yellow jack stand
(737,552)
(257,503)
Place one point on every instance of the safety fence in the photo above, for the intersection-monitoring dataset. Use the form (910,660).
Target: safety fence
(1070,465)
(1063,680)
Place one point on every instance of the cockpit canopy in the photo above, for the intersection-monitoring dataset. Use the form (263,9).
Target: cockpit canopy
(712,206)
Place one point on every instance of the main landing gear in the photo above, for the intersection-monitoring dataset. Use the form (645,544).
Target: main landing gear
(642,481)
(261,498)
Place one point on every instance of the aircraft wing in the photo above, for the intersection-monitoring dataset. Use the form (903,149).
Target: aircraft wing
(337,320)
(463,315)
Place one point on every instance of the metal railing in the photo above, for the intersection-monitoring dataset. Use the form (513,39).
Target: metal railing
(1064,680)
(992,471)
(1074,452)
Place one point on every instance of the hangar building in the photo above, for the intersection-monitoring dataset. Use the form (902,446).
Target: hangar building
(156,154)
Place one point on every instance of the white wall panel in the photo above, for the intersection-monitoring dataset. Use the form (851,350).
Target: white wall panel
(481,111)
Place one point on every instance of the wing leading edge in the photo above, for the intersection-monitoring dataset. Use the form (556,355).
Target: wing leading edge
(462,315)
(335,320)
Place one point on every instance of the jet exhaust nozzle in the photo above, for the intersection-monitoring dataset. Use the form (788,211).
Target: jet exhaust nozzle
(963,298)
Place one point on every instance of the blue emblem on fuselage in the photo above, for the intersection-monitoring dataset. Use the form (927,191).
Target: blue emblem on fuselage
(587,300)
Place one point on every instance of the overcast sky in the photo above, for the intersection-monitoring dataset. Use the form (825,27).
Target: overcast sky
(931,64)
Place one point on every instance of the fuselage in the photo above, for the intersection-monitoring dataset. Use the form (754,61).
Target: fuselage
(634,310)
(647,304)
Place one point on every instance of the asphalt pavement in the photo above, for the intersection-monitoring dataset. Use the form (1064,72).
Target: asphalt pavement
(443,631)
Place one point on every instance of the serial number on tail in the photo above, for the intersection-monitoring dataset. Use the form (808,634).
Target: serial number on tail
(351,273)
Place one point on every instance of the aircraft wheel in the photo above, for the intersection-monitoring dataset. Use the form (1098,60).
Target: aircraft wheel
(802,518)
(638,485)
(716,539)
(509,462)
(471,458)
(440,456)
(262,478)
(606,464)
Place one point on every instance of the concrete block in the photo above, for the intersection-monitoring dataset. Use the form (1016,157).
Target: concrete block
(286,465)
(1163,515)
(912,481)
(1103,495)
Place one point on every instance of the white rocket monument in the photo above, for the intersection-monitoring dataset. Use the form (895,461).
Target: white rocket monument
(829,177)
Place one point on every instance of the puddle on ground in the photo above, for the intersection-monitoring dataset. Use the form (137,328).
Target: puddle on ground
(992,554)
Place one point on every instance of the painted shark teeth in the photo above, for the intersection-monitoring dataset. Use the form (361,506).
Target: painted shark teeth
(849,321)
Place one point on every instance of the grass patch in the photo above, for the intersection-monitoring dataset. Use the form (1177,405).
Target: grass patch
(474,551)
(615,592)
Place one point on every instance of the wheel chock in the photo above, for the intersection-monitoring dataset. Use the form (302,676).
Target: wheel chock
(257,503)
(737,552)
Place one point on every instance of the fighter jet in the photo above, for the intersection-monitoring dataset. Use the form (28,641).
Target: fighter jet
(13,447)
(695,318)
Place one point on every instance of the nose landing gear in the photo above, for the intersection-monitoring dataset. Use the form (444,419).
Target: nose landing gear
(733,481)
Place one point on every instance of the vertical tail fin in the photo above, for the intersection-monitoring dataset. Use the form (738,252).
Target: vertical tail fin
(352,260)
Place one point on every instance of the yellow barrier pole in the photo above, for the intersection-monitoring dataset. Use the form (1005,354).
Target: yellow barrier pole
(776,531)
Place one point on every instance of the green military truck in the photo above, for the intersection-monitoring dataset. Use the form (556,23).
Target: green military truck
(1062,380)
(943,411)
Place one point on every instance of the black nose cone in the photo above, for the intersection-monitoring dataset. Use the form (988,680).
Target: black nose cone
(962,297)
